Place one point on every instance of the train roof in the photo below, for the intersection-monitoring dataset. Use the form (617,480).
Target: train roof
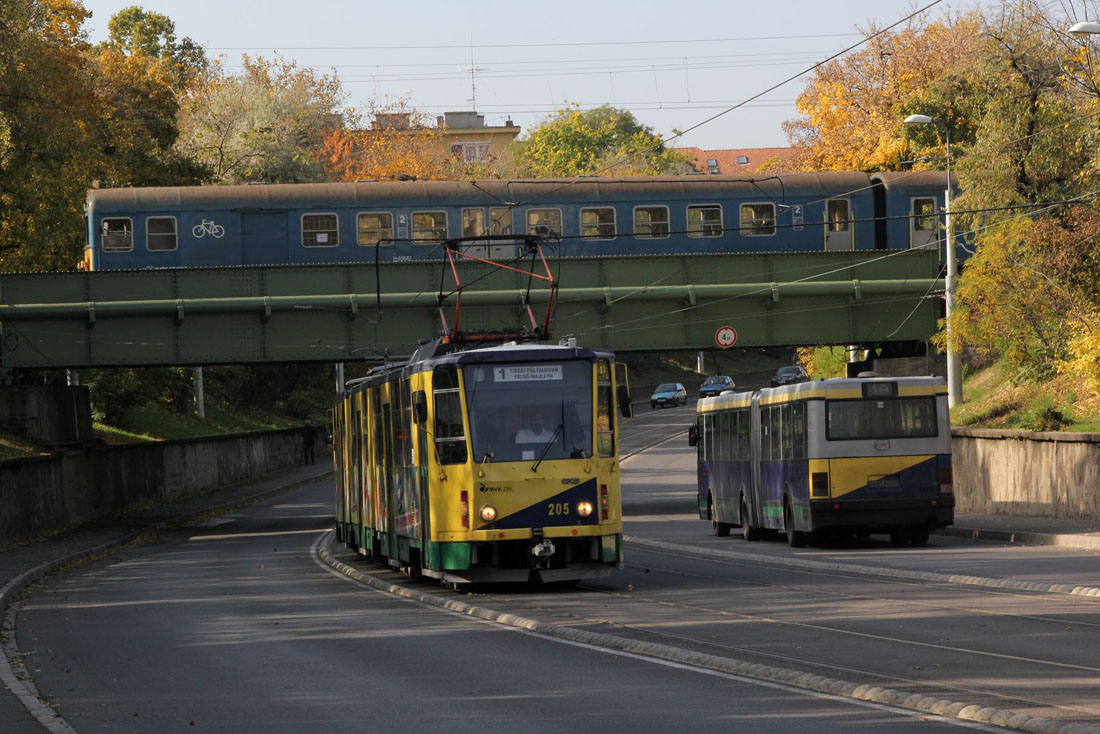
(834,388)
(527,191)
(915,179)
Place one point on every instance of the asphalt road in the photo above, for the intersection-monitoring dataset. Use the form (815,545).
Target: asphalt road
(234,626)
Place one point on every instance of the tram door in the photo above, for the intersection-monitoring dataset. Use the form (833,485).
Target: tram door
(494,220)
(838,225)
(924,225)
(388,466)
(355,490)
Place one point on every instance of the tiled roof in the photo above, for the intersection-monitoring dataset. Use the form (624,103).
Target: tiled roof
(737,160)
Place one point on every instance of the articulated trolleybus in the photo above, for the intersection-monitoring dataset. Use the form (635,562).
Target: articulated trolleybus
(488,464)
(842,455)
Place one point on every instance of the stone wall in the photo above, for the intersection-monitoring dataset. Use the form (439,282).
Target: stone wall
(42,494)
(1025,473)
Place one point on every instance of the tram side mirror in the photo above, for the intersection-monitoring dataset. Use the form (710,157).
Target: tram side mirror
(625,409)
(420,407)
(693,435)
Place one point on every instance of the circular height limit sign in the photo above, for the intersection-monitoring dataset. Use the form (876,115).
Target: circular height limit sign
(725,337)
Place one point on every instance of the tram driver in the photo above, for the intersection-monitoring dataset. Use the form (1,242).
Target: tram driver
(537,432)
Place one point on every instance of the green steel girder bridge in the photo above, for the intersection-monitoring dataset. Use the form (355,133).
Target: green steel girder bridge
(335,312)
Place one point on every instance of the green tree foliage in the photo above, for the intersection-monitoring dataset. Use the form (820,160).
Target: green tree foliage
(604,140)
(268,123)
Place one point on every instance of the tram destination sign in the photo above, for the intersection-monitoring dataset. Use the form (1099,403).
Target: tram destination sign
(528,373)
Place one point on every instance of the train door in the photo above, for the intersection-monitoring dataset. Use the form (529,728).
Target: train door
(264,239)
(475,223)
(924,226)
(838,225)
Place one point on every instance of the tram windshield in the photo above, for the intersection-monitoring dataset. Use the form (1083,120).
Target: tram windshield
(521,412)
(880,418)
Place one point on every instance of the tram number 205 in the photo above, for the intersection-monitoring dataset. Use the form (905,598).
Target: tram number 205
(557,508)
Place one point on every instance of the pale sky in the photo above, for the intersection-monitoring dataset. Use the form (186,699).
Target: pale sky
(673,64)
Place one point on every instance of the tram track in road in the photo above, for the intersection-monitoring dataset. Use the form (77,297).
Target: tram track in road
(989,695)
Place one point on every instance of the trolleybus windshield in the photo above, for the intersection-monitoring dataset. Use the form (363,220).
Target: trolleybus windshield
(518,411)
(847,420)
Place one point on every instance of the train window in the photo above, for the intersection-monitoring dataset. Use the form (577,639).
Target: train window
(500,220)
(473,222)
(650,222)
(924,215)
(598,223)
(429,227)
(544,222)
(117,234)
(320,230)
(757,219)
(450,433)
(704,221)
(160,233)
(375,228)
(836,214)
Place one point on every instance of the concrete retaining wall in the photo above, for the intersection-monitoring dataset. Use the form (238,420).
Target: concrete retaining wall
(1025,473)
(43,494)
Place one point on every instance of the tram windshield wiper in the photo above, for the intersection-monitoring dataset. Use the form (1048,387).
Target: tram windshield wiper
(546,447)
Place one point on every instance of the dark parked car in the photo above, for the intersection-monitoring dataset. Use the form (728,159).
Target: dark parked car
(789,376)
(670,393)
(715,385)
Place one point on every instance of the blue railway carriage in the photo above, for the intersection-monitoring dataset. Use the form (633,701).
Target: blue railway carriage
(261,224)
(843,455)
(492,464)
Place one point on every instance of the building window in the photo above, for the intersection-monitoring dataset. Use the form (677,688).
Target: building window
(924,215)
(704,221)
(757,219)
(544,222)
(429,227)
(598,223)
(320,230)
(117,234)
(650,222)
(743,160)
(471,152)
(375,228)
(160,233)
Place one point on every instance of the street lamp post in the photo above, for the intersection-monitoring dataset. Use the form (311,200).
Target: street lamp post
(954,366)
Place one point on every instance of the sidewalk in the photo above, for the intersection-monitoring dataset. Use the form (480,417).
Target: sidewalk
(1066,533)
(24,564)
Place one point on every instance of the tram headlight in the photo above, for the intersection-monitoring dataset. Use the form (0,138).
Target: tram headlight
(488,513)
(584,508)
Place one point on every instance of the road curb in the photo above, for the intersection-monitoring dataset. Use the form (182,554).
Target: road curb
(1062,540)
(942,578)
(832,686)
(24,690)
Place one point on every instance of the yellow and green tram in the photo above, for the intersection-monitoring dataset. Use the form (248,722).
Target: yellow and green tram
(854,455)
(489,464)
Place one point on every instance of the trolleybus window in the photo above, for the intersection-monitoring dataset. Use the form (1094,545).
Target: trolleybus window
(450,436)
(846,420)
(518,410)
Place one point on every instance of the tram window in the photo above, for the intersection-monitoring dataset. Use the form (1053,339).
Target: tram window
(924,215)
(160,233)
(798,431)
(704,221)
(544,222)
(605,421)
(500,220)
(376,228)
(117,234)
(598,223)
(450,433)
(650,222)
(429,227)
(320,230)
(757,220)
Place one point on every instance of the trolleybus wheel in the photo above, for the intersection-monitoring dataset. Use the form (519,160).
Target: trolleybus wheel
(721,529)
(918,535)
(899,537)
(749,532)
(795,538)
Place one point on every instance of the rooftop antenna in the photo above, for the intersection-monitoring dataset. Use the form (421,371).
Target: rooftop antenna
(473,70)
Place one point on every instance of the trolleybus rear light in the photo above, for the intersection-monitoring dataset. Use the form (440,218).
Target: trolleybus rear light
(464,498)
(946,479)
(819,484)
